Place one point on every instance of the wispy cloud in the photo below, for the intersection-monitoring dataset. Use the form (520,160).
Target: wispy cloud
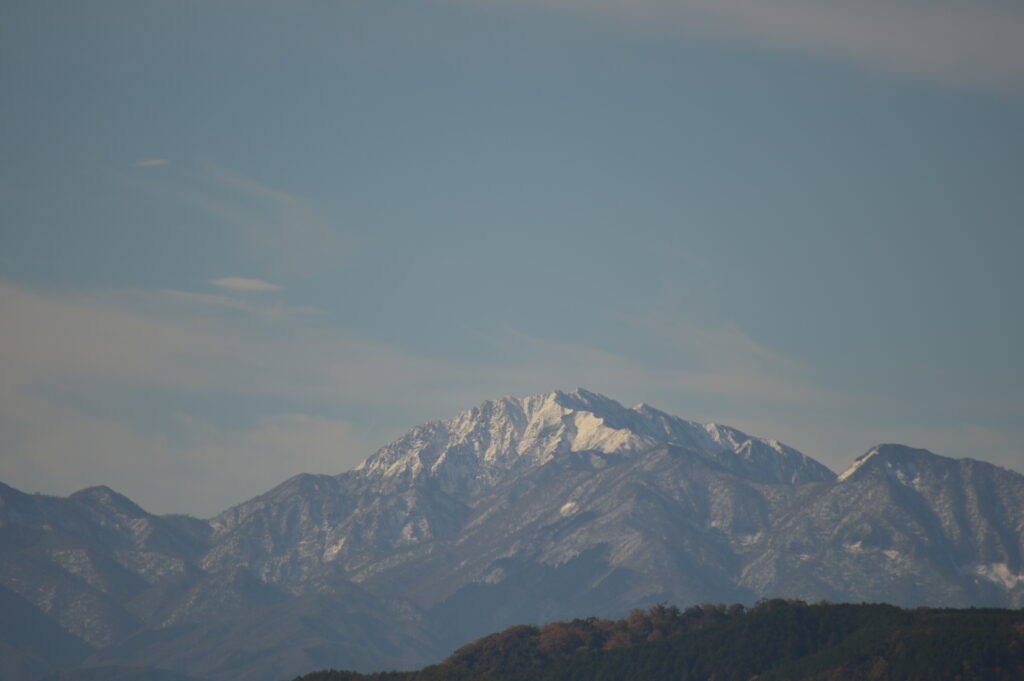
(243,284)
(286,231)
(151,162)
(54,448)
(194,301)
(967,43)
(282,233)
(76,365)
(68,357)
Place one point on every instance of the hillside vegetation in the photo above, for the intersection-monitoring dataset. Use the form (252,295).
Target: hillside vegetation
(777,640)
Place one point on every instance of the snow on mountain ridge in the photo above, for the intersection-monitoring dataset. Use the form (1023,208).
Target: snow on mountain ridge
(899,460)
(549,507)
(858,463)
(483,444)
(501,436)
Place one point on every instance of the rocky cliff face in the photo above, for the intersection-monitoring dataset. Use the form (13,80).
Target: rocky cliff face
(555,506)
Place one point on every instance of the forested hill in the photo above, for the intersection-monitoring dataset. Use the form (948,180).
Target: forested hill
(776,640)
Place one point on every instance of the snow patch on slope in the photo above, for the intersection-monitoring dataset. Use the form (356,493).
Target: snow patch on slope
(999,573)
(858,463)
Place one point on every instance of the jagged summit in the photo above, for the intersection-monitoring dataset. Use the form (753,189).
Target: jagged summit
(104,500)
(484,444)
(891,457)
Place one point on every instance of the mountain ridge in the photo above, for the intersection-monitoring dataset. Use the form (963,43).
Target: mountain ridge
(560,505)
(501,434)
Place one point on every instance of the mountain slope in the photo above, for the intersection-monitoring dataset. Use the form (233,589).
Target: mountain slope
(95,566)
(550,507)
(905,526)
(428,484)
(31,643)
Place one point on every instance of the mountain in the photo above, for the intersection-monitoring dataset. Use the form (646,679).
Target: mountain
(550,507)
(905,526)
(116,674)
(432,483)
(487,444)
(126,590)
(30,642)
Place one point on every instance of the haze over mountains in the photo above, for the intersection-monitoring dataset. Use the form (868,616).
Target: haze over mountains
(519,510)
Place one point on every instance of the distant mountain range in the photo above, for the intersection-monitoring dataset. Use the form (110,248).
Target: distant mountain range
(520,510)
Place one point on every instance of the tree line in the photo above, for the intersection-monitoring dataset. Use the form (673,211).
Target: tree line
(776,640)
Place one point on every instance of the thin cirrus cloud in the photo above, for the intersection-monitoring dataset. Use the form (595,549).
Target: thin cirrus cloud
(244,284)
(151,162)
(290,233)
(287,234)
(78,363)
(281,232)
(123,344)
(962,43)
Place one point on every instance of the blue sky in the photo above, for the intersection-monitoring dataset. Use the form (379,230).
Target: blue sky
(245,240)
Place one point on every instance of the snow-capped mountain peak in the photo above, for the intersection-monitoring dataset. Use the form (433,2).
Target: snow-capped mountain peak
(482,445)
(506,435)
(554,506)
(898,460)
